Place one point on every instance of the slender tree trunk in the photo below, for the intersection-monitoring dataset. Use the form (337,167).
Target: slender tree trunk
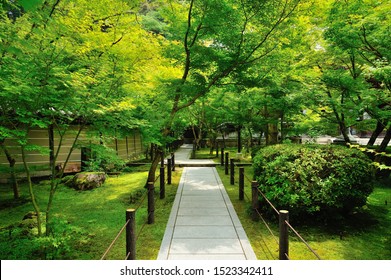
(213,143)
(55,176)
(159,153)
(380,126)
(31,191)
(344,132)
(11,161)
(282,128)
(239,139)
(386,140)
(250,141)
(272,134)
(51,147)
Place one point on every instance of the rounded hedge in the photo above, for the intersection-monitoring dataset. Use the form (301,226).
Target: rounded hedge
(313,179)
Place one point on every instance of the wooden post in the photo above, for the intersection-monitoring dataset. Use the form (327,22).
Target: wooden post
(222,157)
(217,149)
(193,152)
(131,234)
(162,184)
(169,171)
(151,203)
(284,236)
(232,172)
(241,183)
(173,161)
(226,163)
(254,200)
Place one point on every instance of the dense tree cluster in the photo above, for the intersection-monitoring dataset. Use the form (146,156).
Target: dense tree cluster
(277,68)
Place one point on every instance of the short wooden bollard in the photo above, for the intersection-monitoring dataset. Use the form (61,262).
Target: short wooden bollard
(131,234)
(232,171)
(162,183)
(241,183)
(222,157)
(254,200)
(173,161)
(169,171)
(284,235)
(151,203)
(226,162)
(193,152)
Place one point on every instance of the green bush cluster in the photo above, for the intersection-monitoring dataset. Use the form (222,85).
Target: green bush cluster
(314,179)
(20,241)
(103,159)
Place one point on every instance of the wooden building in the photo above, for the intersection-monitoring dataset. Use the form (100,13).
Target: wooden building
(38,160)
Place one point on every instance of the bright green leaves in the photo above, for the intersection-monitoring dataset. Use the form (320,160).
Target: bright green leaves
(354,51)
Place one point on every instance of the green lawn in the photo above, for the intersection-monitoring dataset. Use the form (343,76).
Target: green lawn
(364,236)
(86,221)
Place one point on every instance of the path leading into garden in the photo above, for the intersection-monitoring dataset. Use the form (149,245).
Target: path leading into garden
(203,224)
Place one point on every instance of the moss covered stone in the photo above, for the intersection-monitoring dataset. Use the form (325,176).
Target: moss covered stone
(88,180)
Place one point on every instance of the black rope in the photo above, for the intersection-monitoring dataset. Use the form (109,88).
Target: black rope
(302,239)
(268,201)
(267,226)
(115,240)
(142,200)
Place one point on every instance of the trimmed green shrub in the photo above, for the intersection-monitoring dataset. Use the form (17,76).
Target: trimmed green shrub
(313,179)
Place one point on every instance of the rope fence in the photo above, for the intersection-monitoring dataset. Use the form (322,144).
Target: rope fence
(283,215)
(130,223)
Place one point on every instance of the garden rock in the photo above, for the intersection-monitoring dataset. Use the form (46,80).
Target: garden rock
(88,180)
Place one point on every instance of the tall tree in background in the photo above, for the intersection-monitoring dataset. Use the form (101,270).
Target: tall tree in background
(356,62)
(214,39)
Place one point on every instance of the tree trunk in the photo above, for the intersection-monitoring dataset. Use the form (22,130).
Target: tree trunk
(14,180)
(224,144)
(55,176)
(272,134)
(11,161)
(155,162)
(250,144)
(386,140)
(344,132)
(51,146)
(31,191)
(213,143)
(239,139)
(380,126)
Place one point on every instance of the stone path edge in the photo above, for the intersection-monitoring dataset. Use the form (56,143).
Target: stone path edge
(169,232)
(247,249)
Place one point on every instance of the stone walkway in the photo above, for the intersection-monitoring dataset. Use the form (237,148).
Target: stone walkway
(203,223)
(182,158)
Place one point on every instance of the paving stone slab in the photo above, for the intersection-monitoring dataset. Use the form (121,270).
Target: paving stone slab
(203,212)
(207,257)
(211,198)
(202,204)
(206,246)
(201,231)
(201,220)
